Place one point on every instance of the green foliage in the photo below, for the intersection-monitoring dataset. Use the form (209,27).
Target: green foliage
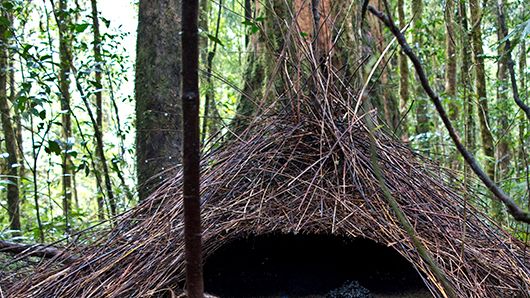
(36,102)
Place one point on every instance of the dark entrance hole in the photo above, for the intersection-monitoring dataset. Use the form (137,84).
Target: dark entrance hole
(290,265)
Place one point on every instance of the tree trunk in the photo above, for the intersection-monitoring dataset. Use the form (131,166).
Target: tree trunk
(257,68)
(211,119)
(13,204)
(387,103)
(503,147)
(450,54)
(422,119)
(450,71)
(64,85)
(18,129)
(522,120)
(158,108)
(98,126)
(480,86)
(465,82)
(403,76)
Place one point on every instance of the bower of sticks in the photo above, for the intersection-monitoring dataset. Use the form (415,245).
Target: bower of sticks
(306,164)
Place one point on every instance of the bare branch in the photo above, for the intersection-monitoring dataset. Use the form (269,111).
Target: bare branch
(39,250)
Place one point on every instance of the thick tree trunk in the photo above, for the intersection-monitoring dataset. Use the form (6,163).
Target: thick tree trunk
(64,84)
(480,86)
(158,108)
(13,203)
(503,147)
(255,75)
(313,40)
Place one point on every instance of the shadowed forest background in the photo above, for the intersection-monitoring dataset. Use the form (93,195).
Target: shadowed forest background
(69,156)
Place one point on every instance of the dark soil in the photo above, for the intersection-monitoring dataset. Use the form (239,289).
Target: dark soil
(310,266)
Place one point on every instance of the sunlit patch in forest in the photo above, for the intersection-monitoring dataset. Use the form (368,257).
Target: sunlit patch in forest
(310,266)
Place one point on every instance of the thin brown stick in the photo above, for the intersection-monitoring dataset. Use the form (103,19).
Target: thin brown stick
(191,149)
(513,208)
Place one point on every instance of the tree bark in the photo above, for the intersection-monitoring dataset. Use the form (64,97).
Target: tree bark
(211,119)
(18,129)
(191,149)
(403,76)
(422,119)
(503,147)
(158,108)
(522,120)
(450,56)
(13,199)
(480,87)
(98,125)
(64,85)
(465,81)
(255,74)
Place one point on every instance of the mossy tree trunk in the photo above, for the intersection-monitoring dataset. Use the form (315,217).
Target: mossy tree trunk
(464,79)
(450,54)
(480,87)
(8,127)
(157,90)
(403,75)
(450,71)
(422,118)
(503,147)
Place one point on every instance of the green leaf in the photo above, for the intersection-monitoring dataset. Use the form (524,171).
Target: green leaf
(81,27)
(248,23)
(96,84)
(8,5)
(4,21)
(53,147)
(106,22)
(72,153)
(215,39)
(254,29)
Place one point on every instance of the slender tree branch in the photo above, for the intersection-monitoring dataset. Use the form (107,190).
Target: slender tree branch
(402,218)
(512,207)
